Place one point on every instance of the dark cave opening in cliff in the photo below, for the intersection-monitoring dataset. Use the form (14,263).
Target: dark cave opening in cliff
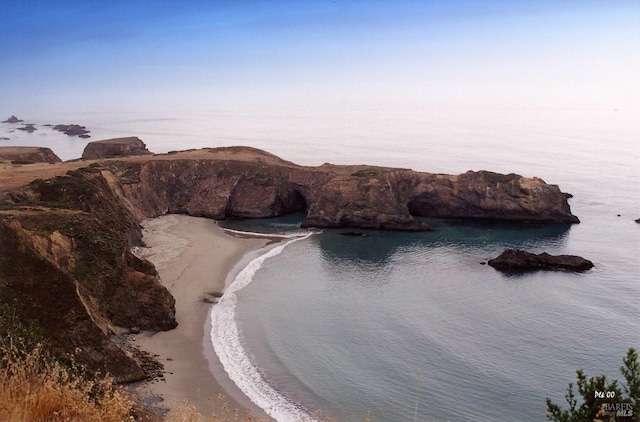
(419,208)
(296,203)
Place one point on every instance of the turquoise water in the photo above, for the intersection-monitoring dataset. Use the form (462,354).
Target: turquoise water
(411,326)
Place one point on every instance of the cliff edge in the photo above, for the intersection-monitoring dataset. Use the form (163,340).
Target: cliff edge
(116,147)
(28,155)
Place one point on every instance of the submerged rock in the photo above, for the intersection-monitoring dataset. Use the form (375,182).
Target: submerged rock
(354,234)
(519,260)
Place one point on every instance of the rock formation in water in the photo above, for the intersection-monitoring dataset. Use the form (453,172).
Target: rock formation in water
(13,119)
(66,263)
(117,147)
(28,128)
(519,260)
(27,155)
(72,130)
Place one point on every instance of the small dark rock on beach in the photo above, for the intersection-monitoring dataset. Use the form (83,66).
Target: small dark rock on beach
(519,260)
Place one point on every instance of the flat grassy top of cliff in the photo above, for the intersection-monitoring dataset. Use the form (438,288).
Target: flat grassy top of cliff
(13,176)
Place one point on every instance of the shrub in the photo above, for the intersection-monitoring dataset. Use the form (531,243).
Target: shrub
(602,400)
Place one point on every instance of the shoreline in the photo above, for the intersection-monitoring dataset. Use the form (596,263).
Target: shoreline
(194,258)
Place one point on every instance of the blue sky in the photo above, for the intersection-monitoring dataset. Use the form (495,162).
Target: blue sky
(352,54)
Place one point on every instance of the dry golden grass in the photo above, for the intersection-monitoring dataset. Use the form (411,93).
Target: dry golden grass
(34,387)
(187,413)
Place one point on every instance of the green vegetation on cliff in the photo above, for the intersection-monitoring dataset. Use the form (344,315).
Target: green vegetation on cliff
(601,399)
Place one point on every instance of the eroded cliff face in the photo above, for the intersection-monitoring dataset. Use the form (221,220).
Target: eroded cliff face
(66,265)
(222,187)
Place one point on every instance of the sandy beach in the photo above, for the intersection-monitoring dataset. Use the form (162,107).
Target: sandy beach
(193,257)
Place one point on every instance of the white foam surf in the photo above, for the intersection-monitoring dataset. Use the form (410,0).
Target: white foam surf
(227,344)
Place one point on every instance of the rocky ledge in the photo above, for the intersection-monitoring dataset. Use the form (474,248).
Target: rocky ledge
(519,260)
(28,155)
(117,147)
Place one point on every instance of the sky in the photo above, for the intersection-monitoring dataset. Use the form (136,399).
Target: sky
(285,54)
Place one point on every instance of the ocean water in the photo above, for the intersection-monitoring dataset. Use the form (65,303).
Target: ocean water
(411,326)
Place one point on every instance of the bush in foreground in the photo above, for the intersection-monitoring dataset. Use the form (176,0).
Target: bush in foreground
(602,400)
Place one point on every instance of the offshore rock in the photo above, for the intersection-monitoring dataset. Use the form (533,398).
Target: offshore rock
(28,128)
(519,260)
(71,130)
(13,119)
(117,147)
(26,155)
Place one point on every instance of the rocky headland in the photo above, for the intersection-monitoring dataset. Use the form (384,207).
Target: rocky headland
(67,230)
(519,260)
(117,147)
(28,155)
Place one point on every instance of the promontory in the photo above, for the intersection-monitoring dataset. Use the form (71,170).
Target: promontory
(67,229)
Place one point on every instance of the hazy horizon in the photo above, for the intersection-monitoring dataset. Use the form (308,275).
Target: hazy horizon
(321,56)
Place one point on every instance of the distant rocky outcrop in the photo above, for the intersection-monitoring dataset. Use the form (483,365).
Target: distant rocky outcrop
(117,147)
(519,260)
(28,155)
(28,128)
(13,119)
(72,130)
(638,221)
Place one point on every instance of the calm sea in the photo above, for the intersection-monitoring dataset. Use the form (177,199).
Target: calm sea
(410,326)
